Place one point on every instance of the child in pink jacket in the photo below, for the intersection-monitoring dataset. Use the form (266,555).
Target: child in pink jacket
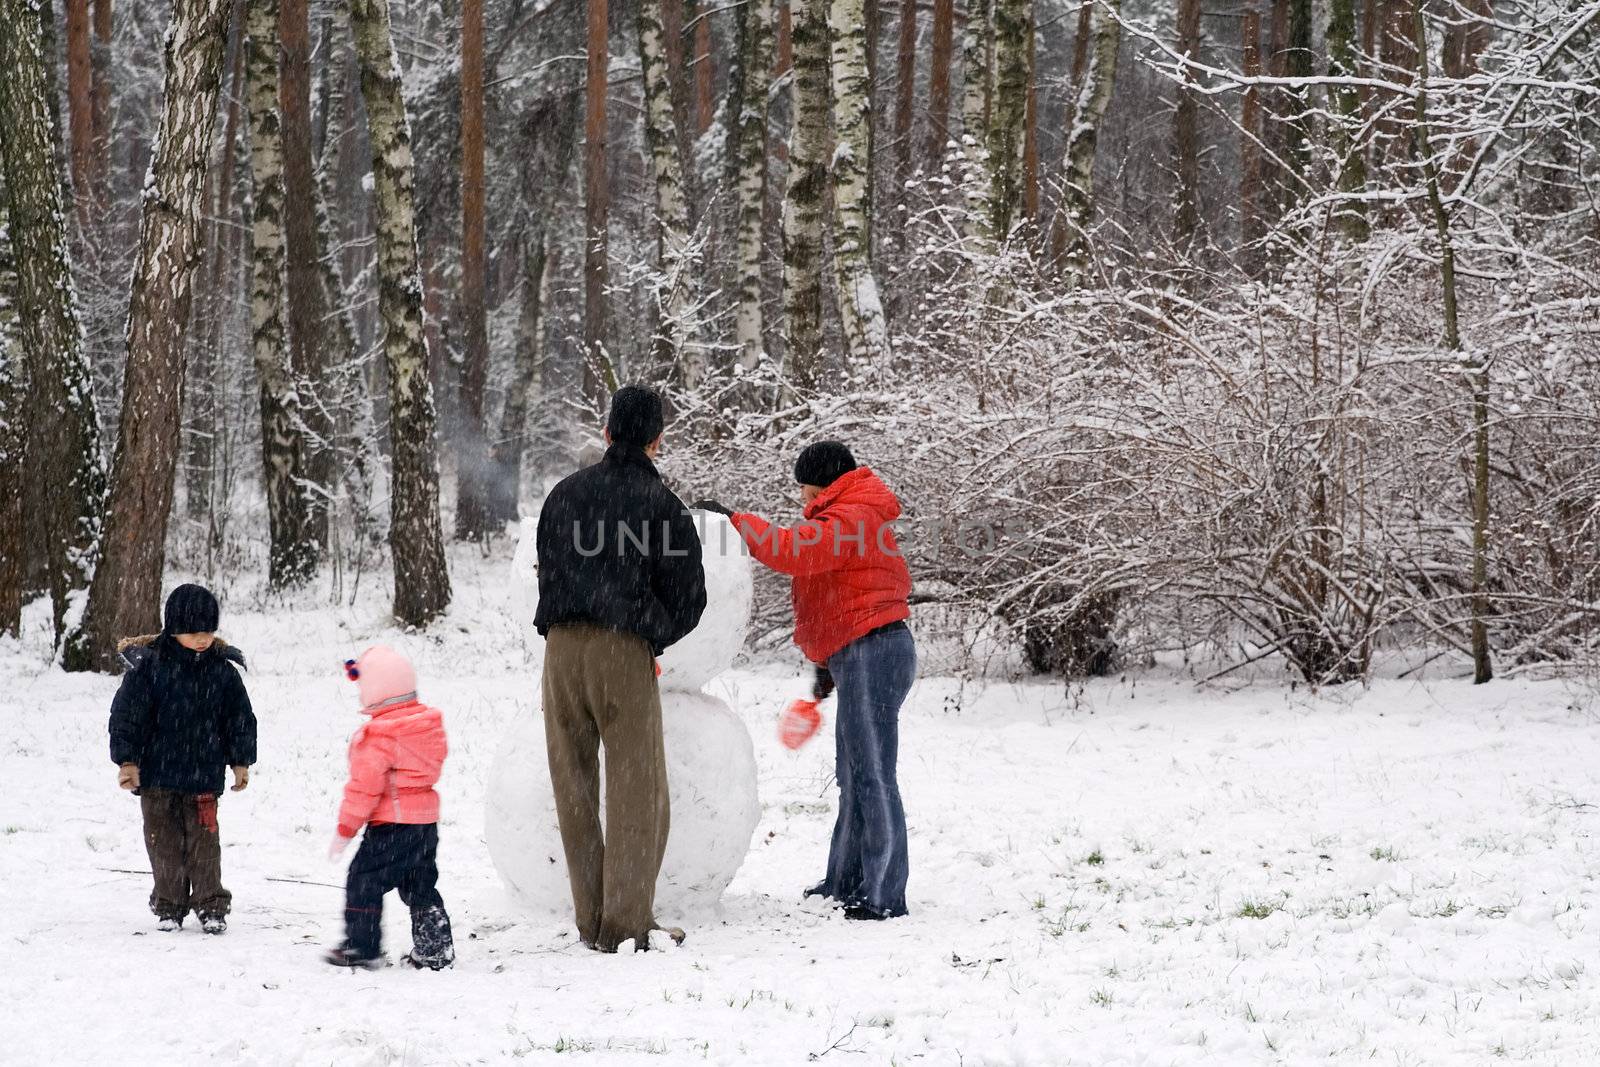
(395,760)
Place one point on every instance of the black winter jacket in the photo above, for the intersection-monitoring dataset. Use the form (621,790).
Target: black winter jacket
(617,549)
(182,716)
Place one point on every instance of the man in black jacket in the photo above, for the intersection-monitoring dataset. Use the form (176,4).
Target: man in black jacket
(179,718)
(620,580)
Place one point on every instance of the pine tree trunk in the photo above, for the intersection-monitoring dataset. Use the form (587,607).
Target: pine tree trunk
(63,429)
(125,597)
(905,91)
(100,102)
(1030,124)
(474,520)
(804,198)
(1250,228)
(1352,175)
(944,18)
(1008,115)
(1186,132)
(596,204)
(755,67)
(526,380)
(304,292)
(672,209)
(12,529)
(1076,212)
(705,106)
(292,554)
(866,333)
(80,100)
(416,541)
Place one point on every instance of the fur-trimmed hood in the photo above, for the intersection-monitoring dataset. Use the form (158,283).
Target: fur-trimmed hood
(135,650)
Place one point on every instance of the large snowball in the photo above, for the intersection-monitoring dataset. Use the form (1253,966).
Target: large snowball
(710,649)
(711,779)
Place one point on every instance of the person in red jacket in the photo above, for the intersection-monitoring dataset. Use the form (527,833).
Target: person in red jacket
(395,760)
(850,590)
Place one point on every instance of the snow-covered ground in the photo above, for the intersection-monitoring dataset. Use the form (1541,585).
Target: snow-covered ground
(1140,872)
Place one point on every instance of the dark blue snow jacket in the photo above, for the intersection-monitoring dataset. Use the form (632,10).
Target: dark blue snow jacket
(182,716)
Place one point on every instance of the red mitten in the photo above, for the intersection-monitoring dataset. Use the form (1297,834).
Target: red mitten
(799,723)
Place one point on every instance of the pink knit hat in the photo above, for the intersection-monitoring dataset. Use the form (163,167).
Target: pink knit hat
(384,677)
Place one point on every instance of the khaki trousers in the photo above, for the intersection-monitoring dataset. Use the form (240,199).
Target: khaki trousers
(185,854)
(599,691)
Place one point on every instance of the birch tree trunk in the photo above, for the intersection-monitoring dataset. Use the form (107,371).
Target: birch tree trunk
(292,553)
(125,597)
(304,278)
(1186,132)
(944,18)
(62,430)
(661,137)
(976,82)
(474,474)
(755,73)
(12,421)
(1094,95)
(804,198)
(416,542)
(1007,116)
(866,332)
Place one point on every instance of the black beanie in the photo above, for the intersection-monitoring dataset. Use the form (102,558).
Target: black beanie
(636,416)
(822,464)
(191,609)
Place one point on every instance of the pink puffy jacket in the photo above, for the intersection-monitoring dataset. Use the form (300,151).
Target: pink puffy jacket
(395,759)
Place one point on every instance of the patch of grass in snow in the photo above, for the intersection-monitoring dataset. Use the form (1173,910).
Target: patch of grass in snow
(1102,998)
(13,830)
(1345,907)
(1442,909)
(1258,909)
(1384,853)
(1095,858)
(571,1044)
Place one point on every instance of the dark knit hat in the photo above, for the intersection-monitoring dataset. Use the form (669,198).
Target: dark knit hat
(636,416)
(191,609)
(823,463)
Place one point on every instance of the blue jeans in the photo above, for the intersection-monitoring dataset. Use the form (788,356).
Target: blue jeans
(868,863)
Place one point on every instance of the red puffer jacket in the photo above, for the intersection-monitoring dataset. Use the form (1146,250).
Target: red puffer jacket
(849,576)
(395,762)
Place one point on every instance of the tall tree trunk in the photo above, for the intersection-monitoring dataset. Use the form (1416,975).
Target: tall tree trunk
(755,67)
(292,552)
(100,101)
(1030,127)
(80,101)
(474,520)
(1477,367)
(975,87)
(1250,228)
(595,207)
(304,277)
(1008,114)
(1076,212)
(125,597)
(866,332)
(528,375)
(1299,63)
(905,90)
(12,528)
(1186,131)
(416,541)
(63,429)
(805,198)
(1352,173)
(672,209)
(944,19)
(705,103)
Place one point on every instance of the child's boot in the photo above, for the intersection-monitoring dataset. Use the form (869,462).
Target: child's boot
(345,956)
(432,944)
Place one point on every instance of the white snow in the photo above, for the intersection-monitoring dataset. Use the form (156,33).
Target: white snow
(1399,875)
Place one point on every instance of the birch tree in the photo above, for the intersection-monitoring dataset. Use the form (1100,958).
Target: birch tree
(804,203)
(1076,210)
(866,331)
(125,596)
(1008,114)
(754,74)
(12,563)
(416,541)
(662,140)
(292,552)
(976,83)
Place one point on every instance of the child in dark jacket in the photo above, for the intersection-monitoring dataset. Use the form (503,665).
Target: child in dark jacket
(179,718)
(395,760)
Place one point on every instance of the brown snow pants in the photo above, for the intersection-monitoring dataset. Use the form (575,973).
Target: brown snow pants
(185,849)
(599,690)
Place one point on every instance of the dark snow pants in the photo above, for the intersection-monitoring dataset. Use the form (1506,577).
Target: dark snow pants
(600,689)
(185,848)
(868,862)
(399,856)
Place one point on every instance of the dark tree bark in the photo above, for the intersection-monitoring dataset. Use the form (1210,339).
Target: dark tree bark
(905,90)
(80,100)
(100,60)
(705,104)
(596,388)
(63,430)
(416,541)
(944,26)
(1250,228)
(474,517)
(1186,132)
(12,528)
(304,291)
(125,597)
